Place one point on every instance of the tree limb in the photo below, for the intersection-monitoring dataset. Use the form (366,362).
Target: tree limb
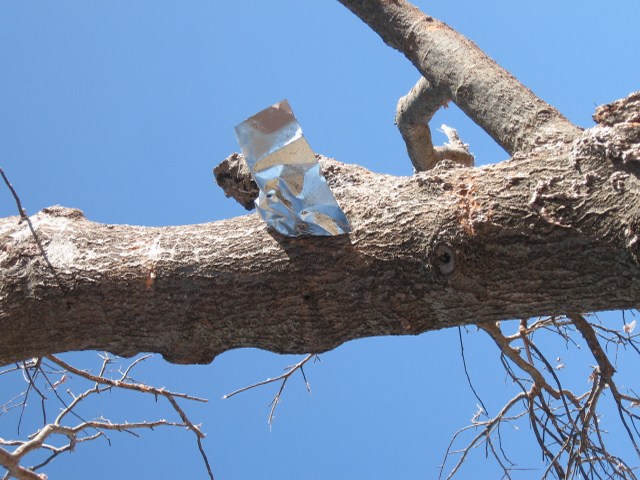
(541,234)
(456,69)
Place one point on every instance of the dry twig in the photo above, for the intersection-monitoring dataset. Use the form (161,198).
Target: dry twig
(565,425)
(290,370)
(39,375)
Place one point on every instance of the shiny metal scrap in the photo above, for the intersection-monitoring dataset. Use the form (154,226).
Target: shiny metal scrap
(294,196)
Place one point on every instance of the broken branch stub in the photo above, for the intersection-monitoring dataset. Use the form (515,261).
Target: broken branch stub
(413,114)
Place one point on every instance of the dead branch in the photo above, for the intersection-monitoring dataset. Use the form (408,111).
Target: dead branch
(604,375)
(493,330)
(566,426)
(482,409)
(84,430)
(486,429)
(290,370)
(122,383)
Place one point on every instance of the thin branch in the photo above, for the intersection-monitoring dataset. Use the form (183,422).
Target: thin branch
(195,429)
(585,328)
(566,426)
(290,370)
(605,369)
(65,448)
(493,330)
(39,440)
(466,372)
(486,428)
(31,385)
(121,384)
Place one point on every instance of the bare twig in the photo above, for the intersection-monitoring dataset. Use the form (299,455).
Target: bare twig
(566,426)
(493,330)
(121,383)
(605,370)
(466,372)
(486,429)
(78,433)
(290,370)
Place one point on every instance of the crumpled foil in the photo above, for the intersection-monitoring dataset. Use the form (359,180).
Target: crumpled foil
(294,196)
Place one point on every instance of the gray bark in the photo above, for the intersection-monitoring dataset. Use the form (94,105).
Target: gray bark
(549,232)
(555,229)
(457,70)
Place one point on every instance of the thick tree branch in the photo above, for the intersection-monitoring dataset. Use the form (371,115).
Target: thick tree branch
(542,234)
(456,69)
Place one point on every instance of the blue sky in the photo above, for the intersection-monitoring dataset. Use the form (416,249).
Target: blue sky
(121,109)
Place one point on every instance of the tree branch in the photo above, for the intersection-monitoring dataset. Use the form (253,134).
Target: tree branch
(456,69)
(568,427)
(41,440)
(540,235)
(283,378)
(413,113)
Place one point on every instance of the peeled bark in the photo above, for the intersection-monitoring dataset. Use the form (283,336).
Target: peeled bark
(553,231)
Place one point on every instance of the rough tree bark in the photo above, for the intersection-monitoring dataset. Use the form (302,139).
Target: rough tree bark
(456,69)
(555,229)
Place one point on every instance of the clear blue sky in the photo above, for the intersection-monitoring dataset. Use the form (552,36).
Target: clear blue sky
(122,108)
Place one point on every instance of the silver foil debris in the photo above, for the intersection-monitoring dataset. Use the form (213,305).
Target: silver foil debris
(294,196)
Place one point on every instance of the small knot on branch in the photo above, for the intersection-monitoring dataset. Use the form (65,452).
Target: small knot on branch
(63,212)
(625,110)
(234,177)
(444,259)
